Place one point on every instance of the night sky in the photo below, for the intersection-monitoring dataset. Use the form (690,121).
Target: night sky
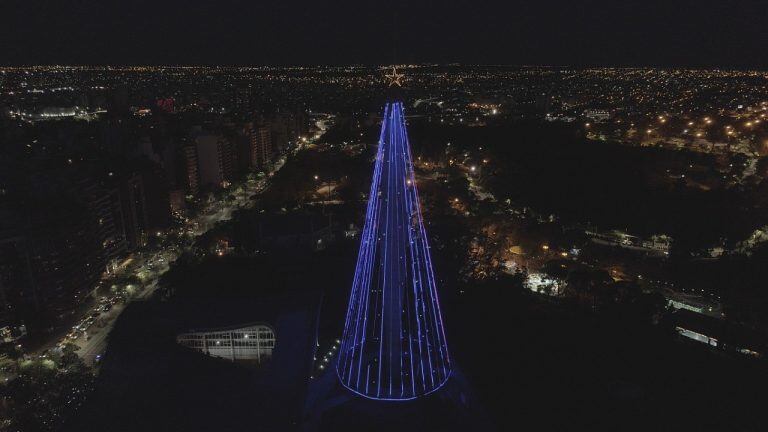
(726,33)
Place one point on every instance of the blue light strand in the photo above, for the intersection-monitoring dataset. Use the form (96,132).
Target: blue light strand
(385,257)
(373,239)
(419,283)
(366,248)
(442,344)
(415,270)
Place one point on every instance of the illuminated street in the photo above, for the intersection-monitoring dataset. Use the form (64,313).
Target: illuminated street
(92,334)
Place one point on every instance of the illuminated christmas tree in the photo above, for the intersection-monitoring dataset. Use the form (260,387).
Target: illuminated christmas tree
(394,345)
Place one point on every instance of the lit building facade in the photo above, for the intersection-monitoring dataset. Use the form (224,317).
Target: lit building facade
(261,147)
(252,343)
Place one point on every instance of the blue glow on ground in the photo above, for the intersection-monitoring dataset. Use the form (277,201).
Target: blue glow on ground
(394,345)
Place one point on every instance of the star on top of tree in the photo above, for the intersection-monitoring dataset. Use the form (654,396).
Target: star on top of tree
(394,78)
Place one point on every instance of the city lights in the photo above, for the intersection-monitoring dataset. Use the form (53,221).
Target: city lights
(184,216)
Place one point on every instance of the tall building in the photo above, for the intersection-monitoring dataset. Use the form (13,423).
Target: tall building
(242,148)
(298,125)
(57,232)
(394,345)
(243,99)
(16,284)
(176,200)
(228,159)
(55,243)
(214,160)
(60,230)
(261,147)
(134,204)
(190,173)
(157,198)
(280,133)
(106,206)
(145,147)
(286,129)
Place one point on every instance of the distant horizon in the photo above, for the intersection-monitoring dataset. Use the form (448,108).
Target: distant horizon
(381,65)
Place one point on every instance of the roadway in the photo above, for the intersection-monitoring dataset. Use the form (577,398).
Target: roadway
(91,334)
